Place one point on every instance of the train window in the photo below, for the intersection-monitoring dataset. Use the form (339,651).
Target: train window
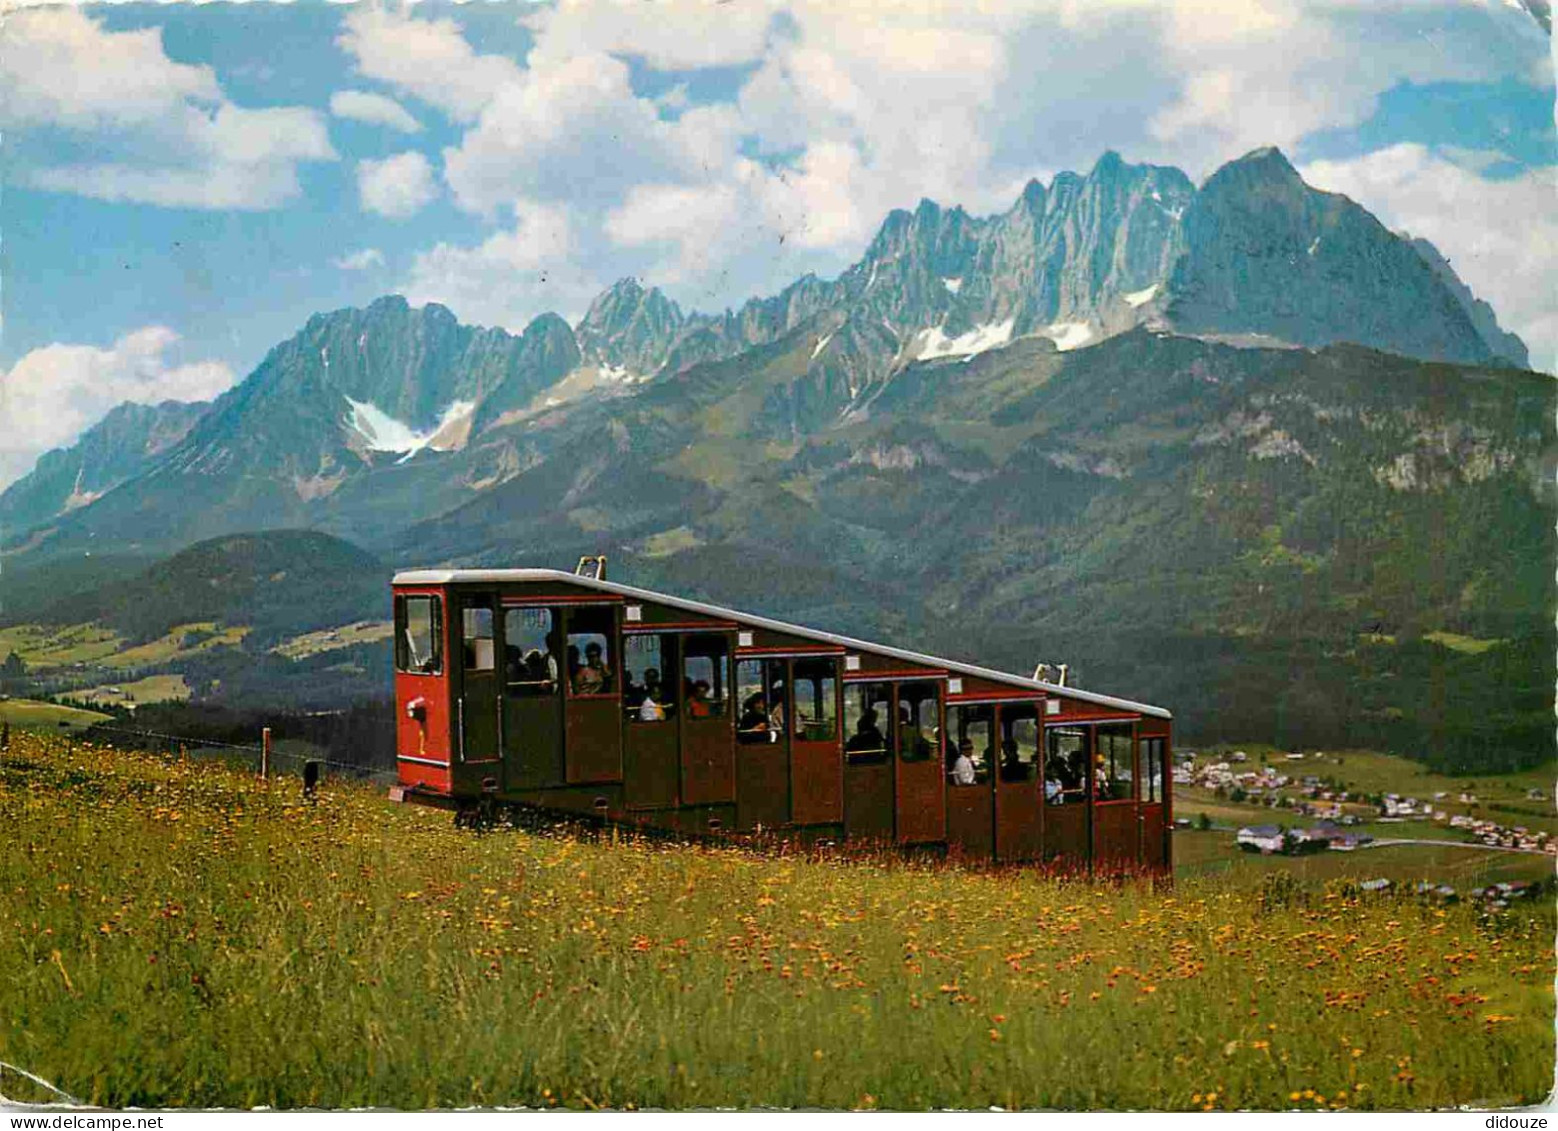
(476,634)
(917,722)
(870,717)
(970,744)
(591,665)
(419,634)
(777,685)
(1019,742)
(1151,768)
(705,676)
(647,659)
(1116,763)
(530,651)
(816,700)
(752,694)
(1065,765)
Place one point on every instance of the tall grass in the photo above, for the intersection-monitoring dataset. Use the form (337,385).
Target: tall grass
(180,934)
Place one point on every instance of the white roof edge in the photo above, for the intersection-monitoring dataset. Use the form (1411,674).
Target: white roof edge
(450,576)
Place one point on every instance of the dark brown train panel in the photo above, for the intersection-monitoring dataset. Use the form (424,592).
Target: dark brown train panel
(584,696)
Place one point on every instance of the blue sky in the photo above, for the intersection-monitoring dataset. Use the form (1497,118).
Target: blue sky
(186,184)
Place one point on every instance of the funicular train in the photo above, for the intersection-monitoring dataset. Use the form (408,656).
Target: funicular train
(575,694)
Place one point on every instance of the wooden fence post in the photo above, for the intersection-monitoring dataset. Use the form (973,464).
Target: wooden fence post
(265,753)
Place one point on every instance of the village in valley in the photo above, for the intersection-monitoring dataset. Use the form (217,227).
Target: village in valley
(1380,821)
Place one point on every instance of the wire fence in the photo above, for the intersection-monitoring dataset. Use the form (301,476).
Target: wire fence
(195,742)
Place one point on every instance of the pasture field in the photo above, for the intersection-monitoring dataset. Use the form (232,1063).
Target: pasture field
(151,689)
(34,714)
(177,933)
(1463,867)
(42,647)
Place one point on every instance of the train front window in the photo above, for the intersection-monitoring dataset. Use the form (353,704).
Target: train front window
(1019,742)
(970,744)
(816,700)
(917,722)
(705,676)
(1116,764)
(648,667)
(870,717)
(530,664)
(476,634)
(1065,765)
(418,634)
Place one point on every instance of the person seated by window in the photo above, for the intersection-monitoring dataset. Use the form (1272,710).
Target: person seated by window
(752,726)
(539,668)
(912,746)
(513,663)
(963,772)
(632,691)
(698,705)
(776,712)
(1054,792)
(573,662)
(868,738)
(594,677)
(651,708)
(1013,768)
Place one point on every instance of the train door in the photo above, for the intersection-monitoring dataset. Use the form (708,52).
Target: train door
(708,720)
(871,715)
(921,797)
(592,696)
(762,744)
(969,748)
(1018,810)
(816,764)
(651,767)
(532,696)
(1116,829)
(1067,752)
(477,704)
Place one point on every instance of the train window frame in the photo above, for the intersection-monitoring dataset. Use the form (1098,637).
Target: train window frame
(477,629)
(713,647)
(904,695)
(583,627)
(747,689)
(866,695)
(956,731)
(669,704)
(821,674)
(405,648)
(1012,714)
(550,671)
(1149,759)
(1122,738)
(1077,795)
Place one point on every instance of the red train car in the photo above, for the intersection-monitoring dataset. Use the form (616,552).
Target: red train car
(565,692)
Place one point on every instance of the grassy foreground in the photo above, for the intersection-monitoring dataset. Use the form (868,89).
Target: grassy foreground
(179,934)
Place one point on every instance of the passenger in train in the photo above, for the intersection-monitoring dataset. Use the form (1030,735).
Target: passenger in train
(594,677)
(1053,794)
(698,705)
(651,709)
(573,665)
(868,737)
(912,744)
(1013,768)
(776,711)
(963,767)
(540,668)
(752,726)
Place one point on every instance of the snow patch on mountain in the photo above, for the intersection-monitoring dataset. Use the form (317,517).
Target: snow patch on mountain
(821,345)
(1070,335)
(1137,298)
(953,285)
(381,432)
(933,342)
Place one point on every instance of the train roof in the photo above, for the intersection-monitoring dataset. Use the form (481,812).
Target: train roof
(498,576)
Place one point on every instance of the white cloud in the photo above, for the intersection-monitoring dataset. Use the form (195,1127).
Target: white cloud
(847,111)
(511,276)
(428,59)
(160,132)
(398,186)
(1499,235)
(374,109)
(360,260)
(53,394)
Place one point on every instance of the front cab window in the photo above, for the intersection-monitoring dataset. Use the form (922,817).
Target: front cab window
(419,635)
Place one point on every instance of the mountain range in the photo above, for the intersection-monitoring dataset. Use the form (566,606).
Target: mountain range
(1212,445)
